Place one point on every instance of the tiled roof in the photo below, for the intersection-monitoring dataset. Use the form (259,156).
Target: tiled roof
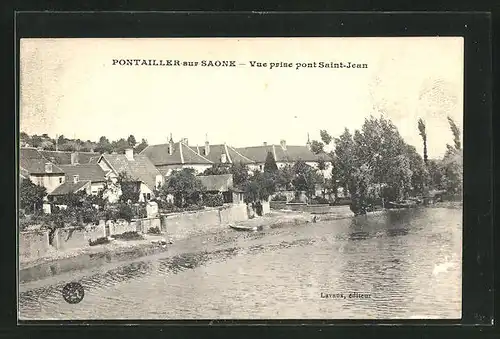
(182,154)
(294,153)
(69,186)
(256,153)
(222,182)
(32,161)
(64,158)
(92,172)
(216,151)
(141,168)
(165,171)
(290,154)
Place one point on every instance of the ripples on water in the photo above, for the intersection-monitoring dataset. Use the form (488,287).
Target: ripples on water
(280,273)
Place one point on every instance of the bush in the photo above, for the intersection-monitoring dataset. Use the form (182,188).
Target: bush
(342,202)
(114,212)
(279,197)
(154,230)
(319,200)
(99,241)
(131,235)
(170,208)
(213,200)
(125,212)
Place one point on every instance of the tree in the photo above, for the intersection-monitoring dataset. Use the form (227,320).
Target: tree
(325,137)
(69,145)
(24,138)
(47,145)
(217,169)
(120,145)
(423,134)
(376,162)
(317,147)
(456,133)
(305,178)
(344,162)
(240,174)
(131,141)
(452,171)
(270,164)
(332,184)
(129,188)
(141,146)
(435,174)
(284,177)
(259,186)
(361,187)
(88,146)
(321,164)
(103,146)
(184,186)
(36,141)
(31,195)
(420,174)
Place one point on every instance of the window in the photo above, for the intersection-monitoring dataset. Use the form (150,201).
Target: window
(260,167)
(148,196)
(60,180)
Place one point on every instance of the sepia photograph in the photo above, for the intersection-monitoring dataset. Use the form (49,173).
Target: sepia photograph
(240,178)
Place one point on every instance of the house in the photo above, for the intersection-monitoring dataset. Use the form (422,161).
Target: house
(222,184)
(70,158)
(284,154)
(173,156)
(73,185)
(87,172)
(41,171)
(137,166)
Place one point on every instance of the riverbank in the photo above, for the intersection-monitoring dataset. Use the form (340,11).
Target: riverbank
(58,261)
(151,240)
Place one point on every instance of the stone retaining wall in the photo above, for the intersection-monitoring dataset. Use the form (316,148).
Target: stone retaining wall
(33,244)
(73,237)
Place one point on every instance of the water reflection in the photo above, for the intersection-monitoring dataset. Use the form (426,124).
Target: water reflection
(281,273)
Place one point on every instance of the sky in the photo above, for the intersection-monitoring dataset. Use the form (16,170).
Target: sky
(70,87)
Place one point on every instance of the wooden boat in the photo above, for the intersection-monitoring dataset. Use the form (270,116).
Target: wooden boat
(246,228)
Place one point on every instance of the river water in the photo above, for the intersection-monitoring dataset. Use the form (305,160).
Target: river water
(407,264)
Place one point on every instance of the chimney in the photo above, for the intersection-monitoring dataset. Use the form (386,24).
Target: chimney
(198,149)
(74,158)
(75,178)
(48,167)
(52,159)
(170,145)
(283,144)
(264,143)
(308,143)
(223,158)
(207,147)
(129,154)
(185,141)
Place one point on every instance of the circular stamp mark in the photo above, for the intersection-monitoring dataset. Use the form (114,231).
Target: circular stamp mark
(73,292)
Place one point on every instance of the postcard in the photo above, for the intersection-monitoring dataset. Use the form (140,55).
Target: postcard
(240,178)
